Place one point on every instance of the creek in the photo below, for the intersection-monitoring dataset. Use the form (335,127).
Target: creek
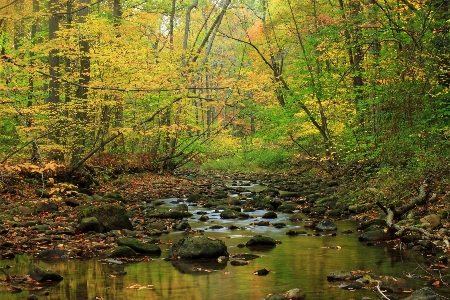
(301,261)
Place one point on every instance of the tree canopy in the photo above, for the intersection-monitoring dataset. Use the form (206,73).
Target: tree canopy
(158,84)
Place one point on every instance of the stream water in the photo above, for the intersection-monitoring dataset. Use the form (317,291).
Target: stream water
(298,262)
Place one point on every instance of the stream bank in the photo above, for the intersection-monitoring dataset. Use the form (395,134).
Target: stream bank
(161,209)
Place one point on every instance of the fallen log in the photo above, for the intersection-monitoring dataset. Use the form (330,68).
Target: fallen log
(392,214)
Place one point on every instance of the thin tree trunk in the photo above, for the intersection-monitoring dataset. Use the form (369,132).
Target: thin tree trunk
(82,91)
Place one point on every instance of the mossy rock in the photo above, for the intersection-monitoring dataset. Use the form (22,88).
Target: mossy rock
(327,201)
(220,196)
(372,224)
(290,194)
(115,196)
(333,212)
(54,254)
(194,197)
(198,247)
(287,207)
(261,240)
(89,224)
(110,216)
(376,235)
(319,210)
(169,214)
(121,251)
(229,214)
(296,217)
(270,215)
(42,193)
(139,246)
(43,275)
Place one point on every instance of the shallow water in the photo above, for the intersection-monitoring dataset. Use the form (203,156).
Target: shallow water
(298,262)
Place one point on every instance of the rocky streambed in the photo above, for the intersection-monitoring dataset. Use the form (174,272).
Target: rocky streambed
(283,227)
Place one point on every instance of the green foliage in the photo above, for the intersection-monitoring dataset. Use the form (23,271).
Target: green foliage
(8,135)
(258,97)
(257,159)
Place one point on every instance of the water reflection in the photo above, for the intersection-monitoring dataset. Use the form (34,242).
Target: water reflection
(198,266)
(299,262)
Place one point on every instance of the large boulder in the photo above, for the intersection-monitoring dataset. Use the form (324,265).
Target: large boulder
(198,247)
(139,246)
(43,275)
(110,216)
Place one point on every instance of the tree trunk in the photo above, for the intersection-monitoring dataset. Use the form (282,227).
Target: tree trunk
(82,92)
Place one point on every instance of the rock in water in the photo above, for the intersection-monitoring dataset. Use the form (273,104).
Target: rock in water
(260,240)
(326,225)
(295,294)
(41,275)
(262,272)
(198,247)
(120,251)
(139,246)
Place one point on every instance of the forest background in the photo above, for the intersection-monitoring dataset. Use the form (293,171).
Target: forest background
(350,86)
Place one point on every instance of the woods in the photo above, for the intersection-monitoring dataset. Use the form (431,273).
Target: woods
(158,84)
(270,114)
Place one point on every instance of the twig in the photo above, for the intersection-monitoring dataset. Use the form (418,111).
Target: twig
(383,296)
